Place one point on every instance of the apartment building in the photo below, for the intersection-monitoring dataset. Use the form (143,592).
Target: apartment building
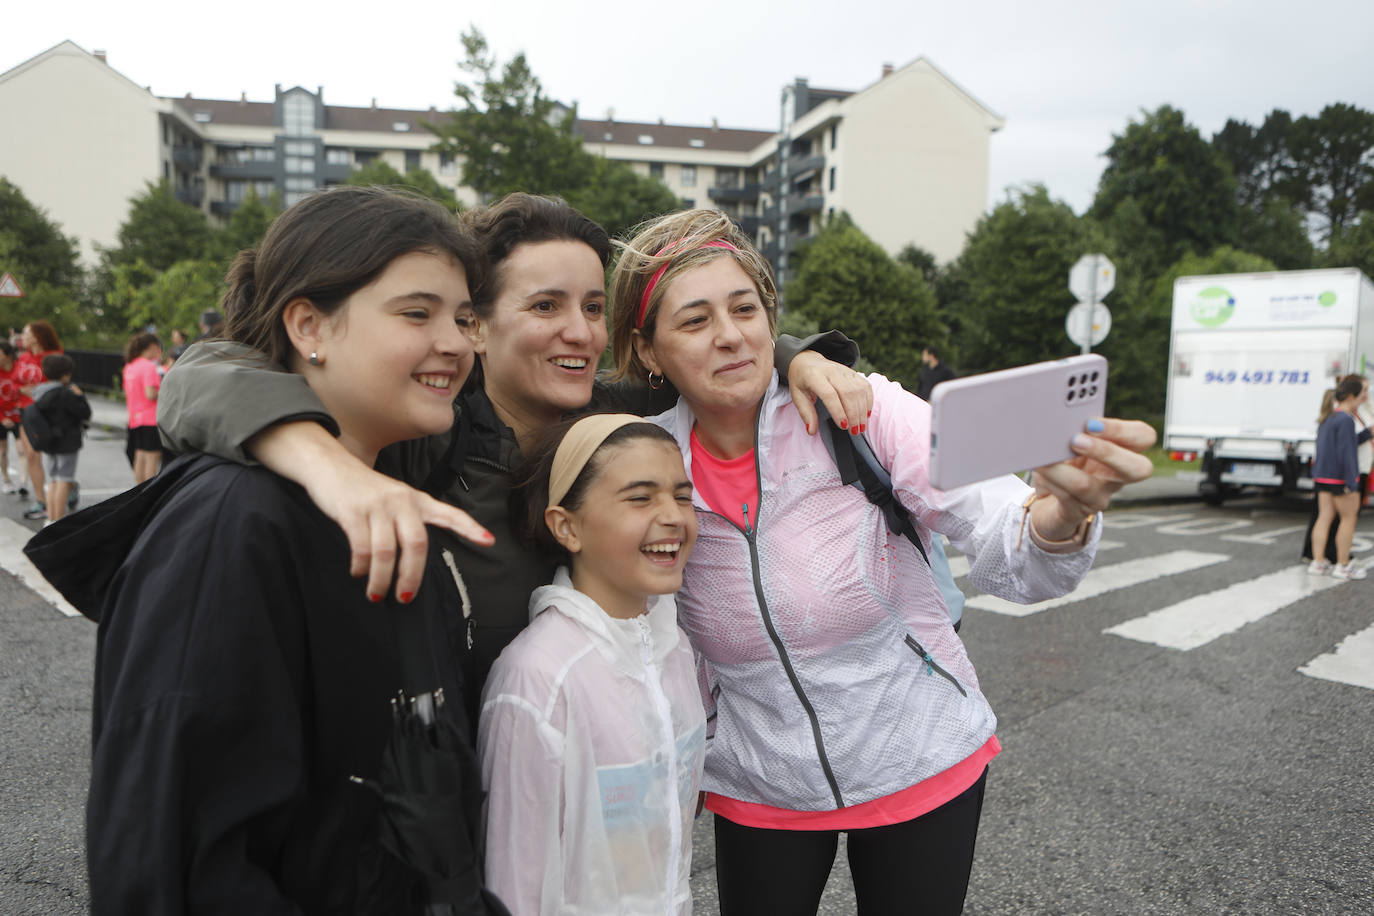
(906,157)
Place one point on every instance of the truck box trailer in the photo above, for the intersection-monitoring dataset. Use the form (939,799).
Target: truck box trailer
(1250,356)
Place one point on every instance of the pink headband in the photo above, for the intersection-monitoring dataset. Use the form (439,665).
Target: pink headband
(658,274)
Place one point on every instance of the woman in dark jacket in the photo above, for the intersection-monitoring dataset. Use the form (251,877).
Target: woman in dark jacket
(244,687)
(1336,475)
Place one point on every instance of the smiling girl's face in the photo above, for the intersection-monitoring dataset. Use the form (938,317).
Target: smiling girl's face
(635,526)
(393,357)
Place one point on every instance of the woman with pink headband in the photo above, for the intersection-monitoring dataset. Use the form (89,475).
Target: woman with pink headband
(841,698)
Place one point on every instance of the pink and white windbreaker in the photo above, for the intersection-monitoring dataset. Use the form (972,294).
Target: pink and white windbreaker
(591,739)
(828,650)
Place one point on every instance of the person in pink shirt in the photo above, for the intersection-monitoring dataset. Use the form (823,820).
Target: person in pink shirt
(840,697)
(141,383)
(9,412)
(37,340)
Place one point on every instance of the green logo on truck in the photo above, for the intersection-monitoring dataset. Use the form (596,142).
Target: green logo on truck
(1327,299)
(1213,306)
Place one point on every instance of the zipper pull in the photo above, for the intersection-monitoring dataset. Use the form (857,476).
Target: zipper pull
(747,528)
(471,627)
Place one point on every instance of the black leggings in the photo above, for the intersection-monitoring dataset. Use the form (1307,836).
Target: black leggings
(918,866)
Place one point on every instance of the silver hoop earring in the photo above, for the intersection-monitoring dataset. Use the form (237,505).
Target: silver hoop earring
(314,358)
(651,381)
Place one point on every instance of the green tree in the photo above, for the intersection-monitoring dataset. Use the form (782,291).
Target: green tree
(245,229)
(922,261)
(42,260)
(1261,160)
(1334,153)
(160,230)
(1165,191)
(845,280)
(380,173)
(1353,246)
(512,137)
(175,297)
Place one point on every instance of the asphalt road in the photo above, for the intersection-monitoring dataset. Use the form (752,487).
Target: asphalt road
(1196,759)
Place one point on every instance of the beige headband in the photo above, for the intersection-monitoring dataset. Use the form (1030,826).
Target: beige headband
(581,442)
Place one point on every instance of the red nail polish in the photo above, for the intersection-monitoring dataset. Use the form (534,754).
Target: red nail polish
(406,596)
(844,424)
(375,599)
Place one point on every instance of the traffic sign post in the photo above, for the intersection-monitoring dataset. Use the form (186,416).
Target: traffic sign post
(9,287)
(1091,278)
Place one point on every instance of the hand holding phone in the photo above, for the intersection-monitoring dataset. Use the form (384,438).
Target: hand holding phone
(1012,420)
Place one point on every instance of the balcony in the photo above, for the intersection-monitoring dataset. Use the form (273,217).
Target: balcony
(813,202)
(770,252)
(749,225)
(189,156)
(800,166)
(770,180)
(190,196)
(770,215)
(744,192)
(253,169)
(222,207)
(335,173)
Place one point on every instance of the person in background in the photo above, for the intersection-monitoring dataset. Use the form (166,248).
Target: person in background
(142,382)
(9,413)
(179,344)
(38,339)
(592,732)
(933,372)
(211,324)
(1335,476)
(66,411)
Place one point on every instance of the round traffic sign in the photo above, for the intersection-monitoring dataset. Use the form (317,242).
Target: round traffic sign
(1088,323)
(1092,277)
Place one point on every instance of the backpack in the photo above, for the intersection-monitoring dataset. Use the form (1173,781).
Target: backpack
(42,434)
(860,468)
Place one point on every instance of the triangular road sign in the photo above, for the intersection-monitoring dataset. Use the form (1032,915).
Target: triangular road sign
(8,287)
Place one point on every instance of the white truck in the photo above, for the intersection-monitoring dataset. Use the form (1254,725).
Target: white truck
(1250,356)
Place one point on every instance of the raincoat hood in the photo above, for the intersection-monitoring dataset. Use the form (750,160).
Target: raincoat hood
(616,639)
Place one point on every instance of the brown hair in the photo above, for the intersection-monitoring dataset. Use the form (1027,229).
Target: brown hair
(45,334)
(326,248)
(530,497)
(57,366)
(521,218)
(644,254)
(1349,387)
(137,344)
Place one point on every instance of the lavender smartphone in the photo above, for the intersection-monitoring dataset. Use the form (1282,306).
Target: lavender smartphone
(1012,420)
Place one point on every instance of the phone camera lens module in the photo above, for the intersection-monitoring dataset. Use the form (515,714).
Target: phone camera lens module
(1092,390)
(1094,376)
(1073,380)
(1070,394)
(1082,392)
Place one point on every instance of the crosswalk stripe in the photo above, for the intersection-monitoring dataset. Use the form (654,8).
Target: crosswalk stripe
(958,564)
(13,537)
(1101,580)
(1351,663)
(1203,618)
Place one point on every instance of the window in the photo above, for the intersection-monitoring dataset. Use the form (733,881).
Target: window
(448,165)
(608,136)
(298,114)
(412,160)
(299,184)
(699,144)
(201,117)
(688,175)
(264,188)
(832,178)
(299,148)
(688,203)
(263,154)
(834,129)
(234,191)
(400,127)
(336,156)
(656,170)
(299,165)
(646,139)
(364,156)
(727,178)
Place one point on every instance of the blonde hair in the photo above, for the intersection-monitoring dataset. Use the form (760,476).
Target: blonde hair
(675,240)
(1328,405)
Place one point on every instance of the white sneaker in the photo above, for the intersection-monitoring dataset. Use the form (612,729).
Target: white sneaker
(8,487)
(1348,571)
(1318,567)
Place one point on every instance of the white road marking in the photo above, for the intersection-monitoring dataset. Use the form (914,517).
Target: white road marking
(1105,579)
(1351,663)
(958,564)
(1203,618)
(13,537)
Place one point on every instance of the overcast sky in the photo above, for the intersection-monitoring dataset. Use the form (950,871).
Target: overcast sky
(1065,75)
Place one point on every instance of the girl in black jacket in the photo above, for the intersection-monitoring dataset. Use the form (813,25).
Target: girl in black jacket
(244,684)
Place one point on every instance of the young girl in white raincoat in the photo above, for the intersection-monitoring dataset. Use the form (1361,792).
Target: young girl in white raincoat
(592,733)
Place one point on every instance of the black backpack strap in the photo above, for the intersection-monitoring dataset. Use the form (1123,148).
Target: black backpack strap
(859,467)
